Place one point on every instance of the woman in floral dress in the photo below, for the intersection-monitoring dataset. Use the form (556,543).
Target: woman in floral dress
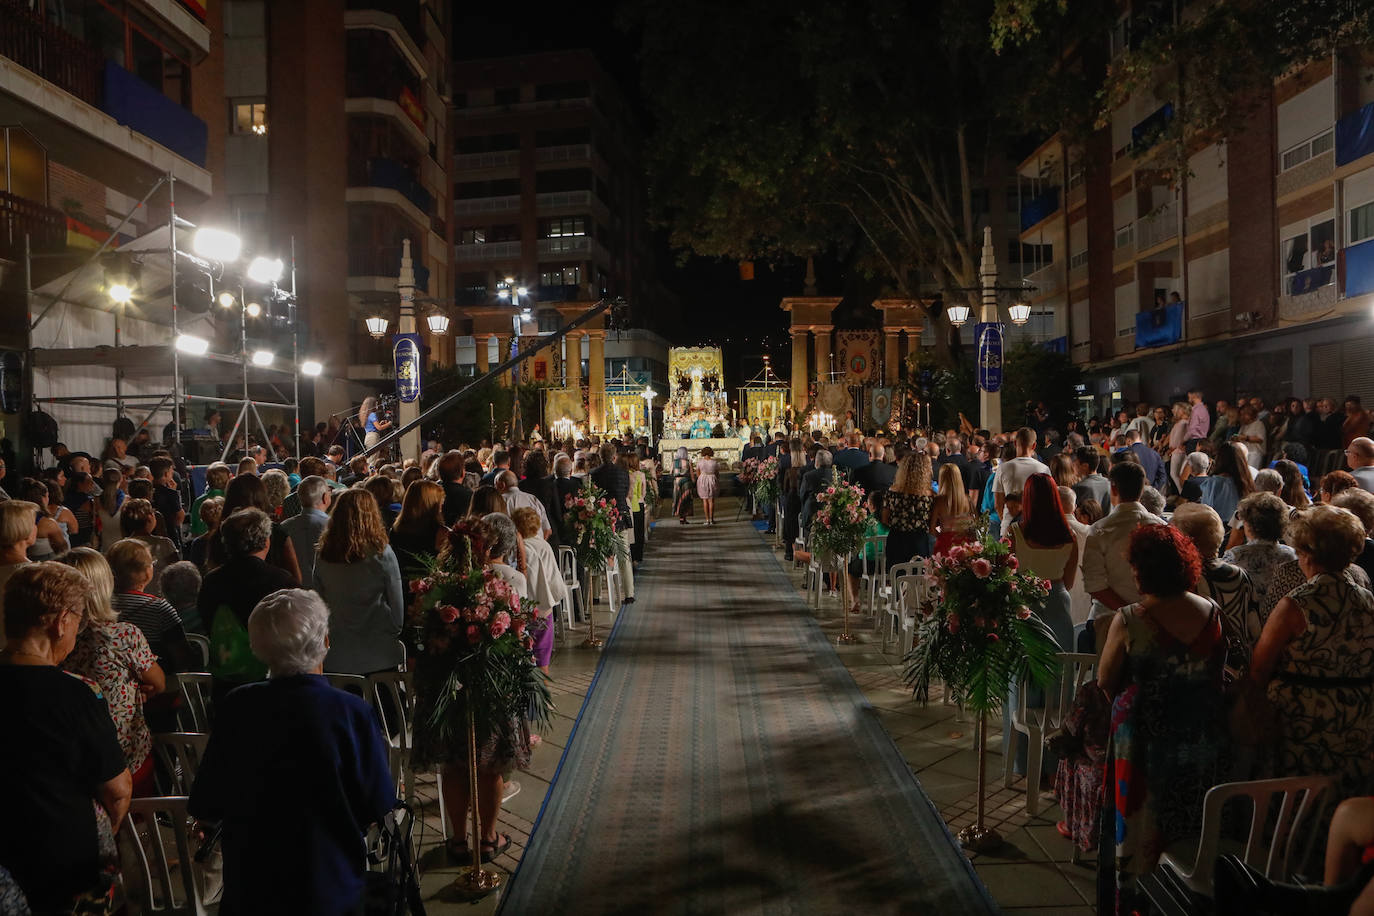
(1163,665)
(906,510)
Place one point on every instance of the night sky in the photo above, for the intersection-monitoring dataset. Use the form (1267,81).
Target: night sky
(718,308)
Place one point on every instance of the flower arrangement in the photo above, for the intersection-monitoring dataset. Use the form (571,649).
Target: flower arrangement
(748,473)
(766,480)
(473,640)
(590,520)
(837,528)
(979,634)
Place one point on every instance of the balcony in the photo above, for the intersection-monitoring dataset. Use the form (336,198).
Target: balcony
(1146,133)
(1355,135)
(489,251)
(50,51)
(558,200)
(135,104)
(397,176)
(1159,327)
(575,152)
(45,227)
(1157,228)
(1357,266)
(382,15)
(1040,208)
(565,245)
(477,205)
(500,159)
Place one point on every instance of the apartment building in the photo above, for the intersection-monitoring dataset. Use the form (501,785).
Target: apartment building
(1253,273)
(549,191)
(337,118)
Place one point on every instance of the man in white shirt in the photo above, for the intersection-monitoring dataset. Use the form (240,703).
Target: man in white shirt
(508,485)
(1012,475)
(1107,575)
(1360,456)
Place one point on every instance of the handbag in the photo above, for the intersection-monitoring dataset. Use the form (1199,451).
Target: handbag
(1252,719)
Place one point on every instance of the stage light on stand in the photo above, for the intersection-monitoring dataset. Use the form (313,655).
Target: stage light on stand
(311,367)
(377,325)
(121,294)
(195,346)
(262,358)
(217,245)
(265,270)
(253,309)
(225,299)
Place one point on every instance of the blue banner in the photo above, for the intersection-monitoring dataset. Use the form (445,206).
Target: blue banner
(1057,345)
(1159,327)
(1310,280)
(989,338)
(1355,135)
(134,103)
(1359,268)
(409,359)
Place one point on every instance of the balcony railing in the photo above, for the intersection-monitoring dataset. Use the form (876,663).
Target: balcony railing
(568,244)
(389,173)
(1149,131)
(499,159)
(50,51)
(474,205)
(489,251)
(574,152)
(554,200)
(135,104)
(1158,227)
(1308,149)
(19,216)
(1039,208)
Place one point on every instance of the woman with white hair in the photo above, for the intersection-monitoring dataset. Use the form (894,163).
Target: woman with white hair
(293,759)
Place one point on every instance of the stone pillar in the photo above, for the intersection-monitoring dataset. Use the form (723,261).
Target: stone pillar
(483,345)
(892,340)
(800,341)
(572,361)
(596,378)
(824,356)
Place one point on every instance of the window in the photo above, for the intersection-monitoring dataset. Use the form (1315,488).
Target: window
(549,321)
(249,117)
(563,227)
(1309,257)
(565,275)
(508,96)
(472,237)
(1309,149)
(506,232)
(1361,223)
(1121,36)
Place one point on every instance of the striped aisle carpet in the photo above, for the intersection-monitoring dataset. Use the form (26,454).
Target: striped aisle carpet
(725,762)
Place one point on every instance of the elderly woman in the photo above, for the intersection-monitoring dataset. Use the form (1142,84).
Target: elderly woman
(1163,664)
(277,486)
(116,656)
(358,576)
(1262,515)
(503,546)
(293,758)
(63,768)
(1223,582)
(544,583)
(1313,657)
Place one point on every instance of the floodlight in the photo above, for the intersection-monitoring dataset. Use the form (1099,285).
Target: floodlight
(265,270)
(189,343)
(253,309)
(262,357)
(225,299)
(311,367)
(121,294)
(217,245)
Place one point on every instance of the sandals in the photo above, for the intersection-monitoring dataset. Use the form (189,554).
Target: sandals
(491,850)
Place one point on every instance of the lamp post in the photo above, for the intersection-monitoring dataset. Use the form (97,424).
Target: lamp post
(648,396)
(508,290)
(989,402)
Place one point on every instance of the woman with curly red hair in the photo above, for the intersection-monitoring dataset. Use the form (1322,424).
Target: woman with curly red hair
(1163,665)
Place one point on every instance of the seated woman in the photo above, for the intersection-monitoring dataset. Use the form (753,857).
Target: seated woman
(1313,657)
(295,772)
(1163,664)
(66,773)
(116,656)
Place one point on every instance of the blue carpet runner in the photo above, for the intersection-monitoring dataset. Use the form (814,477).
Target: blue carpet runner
(726,762)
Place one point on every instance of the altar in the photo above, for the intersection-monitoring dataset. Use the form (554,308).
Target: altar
(726,451)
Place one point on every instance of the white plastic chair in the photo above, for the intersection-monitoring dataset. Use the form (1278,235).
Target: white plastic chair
(1185,869)
(873,578)
(180,753)
(891,618)
(169,885)
(1041,724)
(567,567)
(202,645)
(355,684)
(392,693)
(912,591)
(197,713)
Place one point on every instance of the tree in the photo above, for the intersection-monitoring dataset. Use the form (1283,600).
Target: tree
(868,126)
(1033,374)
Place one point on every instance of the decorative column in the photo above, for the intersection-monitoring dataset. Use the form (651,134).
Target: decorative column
(892,345)
(824,356)
(596,378)
(800,341)
(572,360)
(502,351)
(483,345)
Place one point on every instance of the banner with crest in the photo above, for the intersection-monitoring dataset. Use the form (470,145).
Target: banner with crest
(563,403)
(833,398)
(543,368)
(860,354)
(880,406)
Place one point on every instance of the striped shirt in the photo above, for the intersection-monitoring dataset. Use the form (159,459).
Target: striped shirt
(159,621)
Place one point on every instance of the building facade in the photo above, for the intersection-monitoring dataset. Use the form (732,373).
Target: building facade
(1251,274)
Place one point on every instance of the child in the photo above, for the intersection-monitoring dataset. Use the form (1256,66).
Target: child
(81,500)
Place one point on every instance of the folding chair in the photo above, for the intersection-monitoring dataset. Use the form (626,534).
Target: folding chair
(912,591)
(196,713)
(165,881)
(1040,725)
(180,754)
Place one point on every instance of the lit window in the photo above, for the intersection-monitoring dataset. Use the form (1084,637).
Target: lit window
(570,275)
(250,118)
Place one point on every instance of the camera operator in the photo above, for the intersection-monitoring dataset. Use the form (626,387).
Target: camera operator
(374,422)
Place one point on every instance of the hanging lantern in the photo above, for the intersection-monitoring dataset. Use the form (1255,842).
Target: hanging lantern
(958,314)
(377,325)
(438,323)
(1020,313)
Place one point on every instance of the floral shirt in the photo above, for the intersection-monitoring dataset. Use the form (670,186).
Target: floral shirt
(114,657)
(908,512)
(1259,559)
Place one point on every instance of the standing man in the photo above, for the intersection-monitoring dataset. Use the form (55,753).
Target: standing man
(1155,472)
(457,497)
(305,528)
(1199,421)
(1011,475)
(1360,457)
(952,453)
(615,480)
(852,456)
(1107,575)
(1091,485)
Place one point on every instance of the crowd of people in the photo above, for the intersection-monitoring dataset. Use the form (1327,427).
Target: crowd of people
(113,577)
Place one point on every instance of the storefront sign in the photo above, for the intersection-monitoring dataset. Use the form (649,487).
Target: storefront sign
(409,359)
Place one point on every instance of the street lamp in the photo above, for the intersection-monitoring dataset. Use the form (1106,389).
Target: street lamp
(648,395)
(958,314)
(438,322)
(508,291)
(1020,313)
(377,325)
